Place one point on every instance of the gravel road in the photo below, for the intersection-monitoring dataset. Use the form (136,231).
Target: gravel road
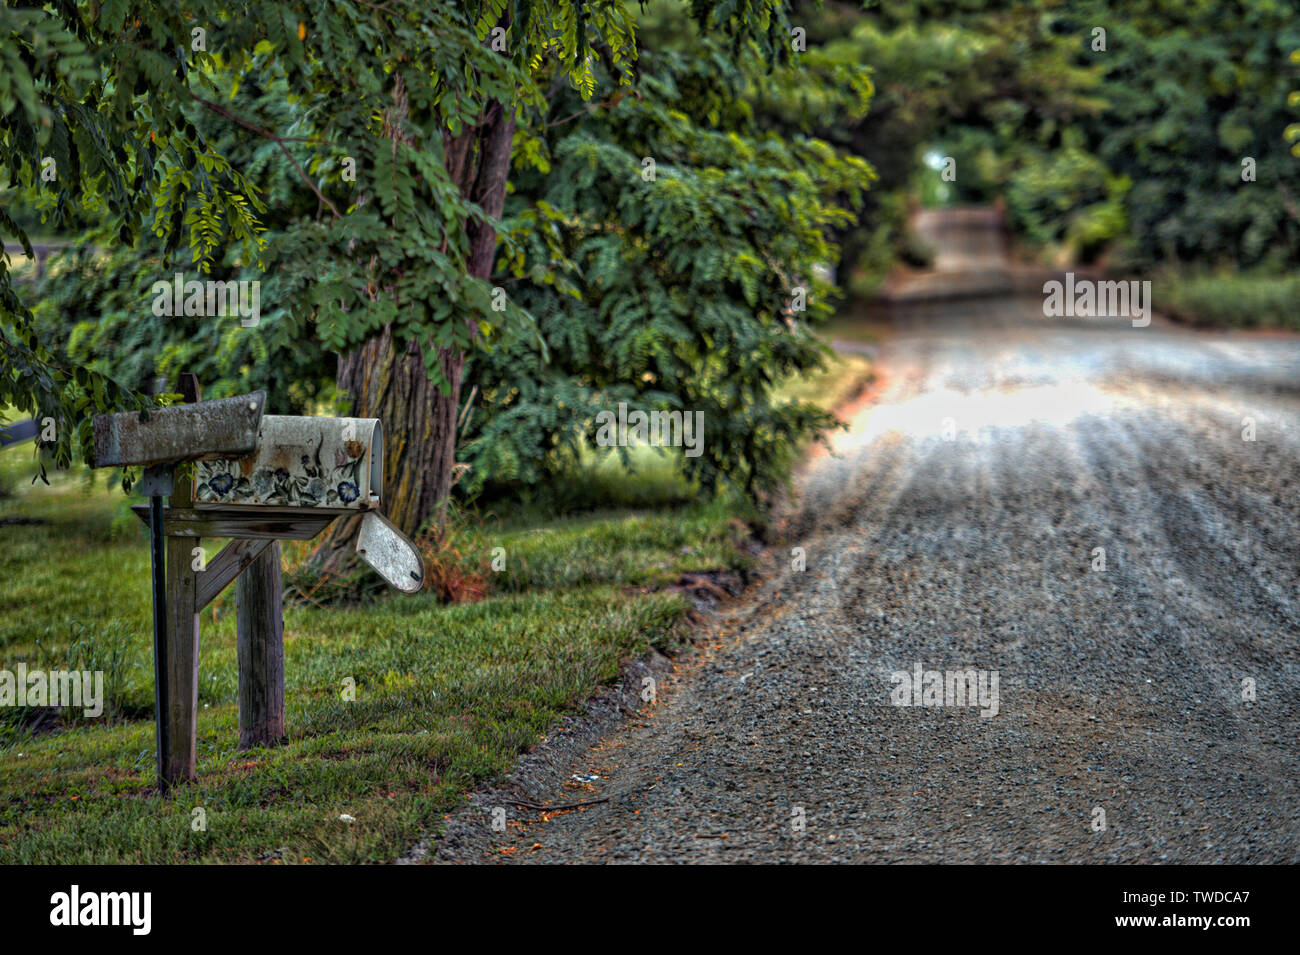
(955,527)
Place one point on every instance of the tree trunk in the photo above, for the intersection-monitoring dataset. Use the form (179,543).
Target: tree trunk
(388,382)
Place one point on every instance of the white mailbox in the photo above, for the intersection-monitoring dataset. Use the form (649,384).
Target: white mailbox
(254,472)
(330,464)
(321,465)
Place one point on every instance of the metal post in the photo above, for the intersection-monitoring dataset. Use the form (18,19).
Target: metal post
(158,564)
(156,483)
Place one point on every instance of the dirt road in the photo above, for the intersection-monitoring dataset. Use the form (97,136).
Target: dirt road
(957,528)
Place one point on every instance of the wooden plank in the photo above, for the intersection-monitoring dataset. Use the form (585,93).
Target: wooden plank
(226,566)
(226,427)
(182,707)
(260,649)
(259,523)
(18,433)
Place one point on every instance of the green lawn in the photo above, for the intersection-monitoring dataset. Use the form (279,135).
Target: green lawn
(447,696)
(840,381)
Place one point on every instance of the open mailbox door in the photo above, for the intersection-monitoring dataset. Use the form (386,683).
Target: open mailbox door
(390,553)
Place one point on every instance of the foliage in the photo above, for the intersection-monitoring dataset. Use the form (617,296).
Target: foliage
(947,76)
(1250,299)
(1138,148)
(93,305)
(94,96)
(1193,88)
(1135,151)
(111,92)
(671,292)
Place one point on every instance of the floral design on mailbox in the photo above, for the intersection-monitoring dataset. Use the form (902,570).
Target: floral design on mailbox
(321,463)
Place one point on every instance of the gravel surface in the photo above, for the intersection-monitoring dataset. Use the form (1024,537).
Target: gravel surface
(969,543)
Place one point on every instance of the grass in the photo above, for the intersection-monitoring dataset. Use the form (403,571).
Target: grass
(653,480)
(860,321)
(1237,299)
(446,696)
(843,378)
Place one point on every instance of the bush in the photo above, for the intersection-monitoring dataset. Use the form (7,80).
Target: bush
(1240,299)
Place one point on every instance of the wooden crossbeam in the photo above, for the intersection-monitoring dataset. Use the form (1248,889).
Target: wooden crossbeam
(259,523)
(226,566)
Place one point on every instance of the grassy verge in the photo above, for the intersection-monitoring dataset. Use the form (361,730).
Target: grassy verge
(1236,299)
(446,696)
(841,381)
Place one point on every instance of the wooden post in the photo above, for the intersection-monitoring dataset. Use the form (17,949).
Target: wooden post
(182,704)
(259,625)
(182,661)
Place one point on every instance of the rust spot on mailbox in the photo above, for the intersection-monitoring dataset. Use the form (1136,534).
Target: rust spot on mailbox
(204,429)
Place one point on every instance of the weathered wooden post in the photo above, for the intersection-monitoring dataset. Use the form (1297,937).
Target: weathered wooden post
(259,625)
(182,661)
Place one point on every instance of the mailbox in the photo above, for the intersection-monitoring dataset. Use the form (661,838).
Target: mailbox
(321,466)
(257,479)
(331,464)
(259,475)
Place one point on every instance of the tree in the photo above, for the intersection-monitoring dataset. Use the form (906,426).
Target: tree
(672,239)
(1161,139)
(391,271)
(92,121)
